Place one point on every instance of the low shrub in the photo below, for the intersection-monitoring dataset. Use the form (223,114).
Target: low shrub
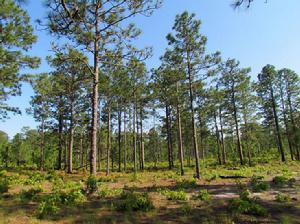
(4,185)
(91,184)
(73,197)
(174,195)
(280,181)
(186,210)
(47,207)
(106,179)
(258,185)
(280,197)
(104,193)
(134,202)
(204,195)
(29,195)
(250,207)
(186,184)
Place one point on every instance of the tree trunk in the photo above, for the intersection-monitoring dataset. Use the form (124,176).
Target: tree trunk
(134,136)
(217,138)
(71,140)
(237,131)
(108,148)
(119,137)
(280,145)
(194,128)
(293,126)
(81,150)
(224,159)
(43,145)
(169,137)
(142,139)
(125,148)
(60,133)
(287,130)
(95,99)
(180,144)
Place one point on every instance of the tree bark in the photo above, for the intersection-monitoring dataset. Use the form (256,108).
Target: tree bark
(95,99)
(194,128)
(108,148)
(169,137)
(142,139)
(280,145)
(179,132)
(217,138)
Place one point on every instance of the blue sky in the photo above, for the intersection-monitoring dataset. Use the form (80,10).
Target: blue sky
(264,34)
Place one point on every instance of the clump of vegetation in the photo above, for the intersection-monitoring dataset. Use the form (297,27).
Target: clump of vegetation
(186,184)
(104,193)
(75,196)
(4,185)
(246,205)
(48,207)
(134,202)
(204,195)
(106,179)
(174,195)
(186,210)
(280,181)
(258,185)
(91,184)
(29,195)
(3,173)
(280,197)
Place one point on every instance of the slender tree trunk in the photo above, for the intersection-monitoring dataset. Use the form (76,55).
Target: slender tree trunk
(194,128)
(119,136)
(108,148)
(142,139)
(125,147)
(71,140)
(169,138)
(81,149)
(293,126)
(287,130)
(179,132)
(280,145)
(95,99)
(134,135)
(224,159)
(60,133)
(43,145)
(237,130)
(217,138)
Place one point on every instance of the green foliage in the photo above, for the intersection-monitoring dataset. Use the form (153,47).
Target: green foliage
(280,181)
(186,184)
(258,185)
(91,184)
(134,202)
(186,210)
(174,195)
(106,179)
(73,197)
(34,178)
(245,194)
(104,193)
(280,197)
(29,195)
(48,207)
(204,195)
(250,207)
(4,185)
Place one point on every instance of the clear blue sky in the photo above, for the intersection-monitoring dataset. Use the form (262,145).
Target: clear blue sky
(265,34)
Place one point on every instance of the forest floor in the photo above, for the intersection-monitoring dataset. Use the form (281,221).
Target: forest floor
(268,193)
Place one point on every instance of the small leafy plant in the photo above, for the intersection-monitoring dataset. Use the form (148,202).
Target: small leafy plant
(91,184)
(280,197)
(134,202)
(204,195)
(29,195)
(174,195)
(4,185)
(280,181)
